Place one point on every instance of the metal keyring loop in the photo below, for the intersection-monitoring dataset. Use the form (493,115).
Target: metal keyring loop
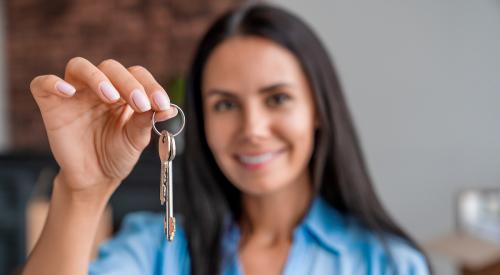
(153,120)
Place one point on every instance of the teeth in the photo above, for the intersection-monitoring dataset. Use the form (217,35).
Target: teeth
(256,159)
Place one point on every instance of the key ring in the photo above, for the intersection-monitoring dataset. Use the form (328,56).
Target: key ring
(153,120)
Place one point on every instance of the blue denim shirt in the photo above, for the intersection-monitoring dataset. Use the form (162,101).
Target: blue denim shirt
(326,242)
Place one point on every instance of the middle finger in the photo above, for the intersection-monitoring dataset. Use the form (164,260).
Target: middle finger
(156,94)
(128,86)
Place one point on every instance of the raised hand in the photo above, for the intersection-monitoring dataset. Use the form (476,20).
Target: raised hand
(98,120)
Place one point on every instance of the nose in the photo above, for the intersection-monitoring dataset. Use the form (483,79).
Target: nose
(255,124)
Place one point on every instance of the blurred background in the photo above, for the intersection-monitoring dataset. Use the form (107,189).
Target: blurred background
(422,79)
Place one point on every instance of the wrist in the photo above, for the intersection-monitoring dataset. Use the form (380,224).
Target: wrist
(93,197)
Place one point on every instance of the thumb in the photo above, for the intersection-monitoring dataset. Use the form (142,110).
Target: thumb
(138,129)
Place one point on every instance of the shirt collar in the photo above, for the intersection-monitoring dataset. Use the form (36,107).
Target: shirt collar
(323,223)
(326,224)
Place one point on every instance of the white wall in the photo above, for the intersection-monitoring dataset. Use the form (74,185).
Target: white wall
(423,82)
(3,85)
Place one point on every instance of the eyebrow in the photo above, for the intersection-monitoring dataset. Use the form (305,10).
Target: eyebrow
(263,90)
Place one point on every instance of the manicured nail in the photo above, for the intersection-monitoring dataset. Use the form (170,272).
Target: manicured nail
(161,100)
(140,100)
(173,111)
(65,88)
(109,91)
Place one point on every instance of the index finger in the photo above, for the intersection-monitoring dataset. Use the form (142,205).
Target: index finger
(82,71)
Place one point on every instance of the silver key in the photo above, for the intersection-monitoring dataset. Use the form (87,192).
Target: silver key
(170,193)
(164,151)
(167,154)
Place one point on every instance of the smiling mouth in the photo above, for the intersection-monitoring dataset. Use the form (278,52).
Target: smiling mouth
(257,161)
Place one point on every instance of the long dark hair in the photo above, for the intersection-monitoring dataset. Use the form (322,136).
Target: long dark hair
(338,171)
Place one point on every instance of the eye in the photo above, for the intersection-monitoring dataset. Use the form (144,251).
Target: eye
(277,99)
(224,105)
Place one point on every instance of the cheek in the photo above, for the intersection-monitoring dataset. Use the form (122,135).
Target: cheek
(298,123)
(297,128)
(211,130)
(218,133)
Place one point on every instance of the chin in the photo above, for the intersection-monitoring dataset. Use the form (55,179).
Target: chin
(259,187)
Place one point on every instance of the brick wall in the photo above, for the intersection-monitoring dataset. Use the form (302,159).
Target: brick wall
(43,35)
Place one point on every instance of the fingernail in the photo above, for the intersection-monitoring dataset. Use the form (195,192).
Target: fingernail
(174,111)
(65,88)
(161,100)
(109,91)
(140,100)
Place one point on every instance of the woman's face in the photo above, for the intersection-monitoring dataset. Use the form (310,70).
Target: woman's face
(259,114)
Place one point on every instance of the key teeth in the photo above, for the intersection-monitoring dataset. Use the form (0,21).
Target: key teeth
(171,221)
(163,194)
(171,226)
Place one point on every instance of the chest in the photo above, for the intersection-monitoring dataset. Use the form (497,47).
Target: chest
(257,259)
(302,256)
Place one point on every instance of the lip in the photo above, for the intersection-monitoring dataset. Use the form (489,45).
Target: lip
(255,166)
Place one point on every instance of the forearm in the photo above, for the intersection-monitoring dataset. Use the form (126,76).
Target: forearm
(65,244)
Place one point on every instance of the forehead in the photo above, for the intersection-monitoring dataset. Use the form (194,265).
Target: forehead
(248,62)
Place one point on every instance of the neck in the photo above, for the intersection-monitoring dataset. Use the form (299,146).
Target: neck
(273,217)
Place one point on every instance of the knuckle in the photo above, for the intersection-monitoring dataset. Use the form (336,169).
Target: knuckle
(108,63)
(154,86)
(35,82)
(42,82)
(95,75)
(74,62)
(137,69)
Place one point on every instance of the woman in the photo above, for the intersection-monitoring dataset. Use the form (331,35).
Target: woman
(275,180)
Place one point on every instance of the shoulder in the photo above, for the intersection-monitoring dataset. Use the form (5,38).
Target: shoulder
(140,229)
(361,251)
(140,222)
(149,226)
(388,254)
(140,247)
(408,260)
